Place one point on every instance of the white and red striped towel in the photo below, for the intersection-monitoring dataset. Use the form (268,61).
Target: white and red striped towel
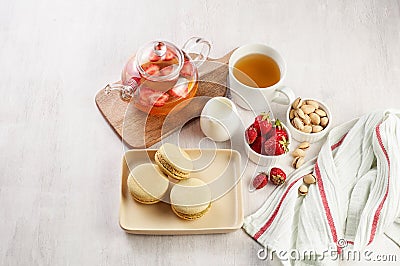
(356,197)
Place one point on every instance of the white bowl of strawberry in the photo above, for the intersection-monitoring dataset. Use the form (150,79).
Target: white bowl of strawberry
(266,141)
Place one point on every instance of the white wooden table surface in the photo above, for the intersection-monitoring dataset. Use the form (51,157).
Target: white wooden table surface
(60,161)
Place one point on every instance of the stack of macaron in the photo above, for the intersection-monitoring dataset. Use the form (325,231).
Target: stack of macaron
(190,198)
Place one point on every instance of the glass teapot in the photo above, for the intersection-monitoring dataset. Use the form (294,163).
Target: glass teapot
(160,76)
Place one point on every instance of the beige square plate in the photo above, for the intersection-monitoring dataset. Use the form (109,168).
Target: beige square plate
(219,168)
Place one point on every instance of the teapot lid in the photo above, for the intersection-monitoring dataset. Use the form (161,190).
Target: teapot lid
(159,60)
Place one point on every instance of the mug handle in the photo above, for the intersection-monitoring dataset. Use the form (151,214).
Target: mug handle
(190,46)
(284,95)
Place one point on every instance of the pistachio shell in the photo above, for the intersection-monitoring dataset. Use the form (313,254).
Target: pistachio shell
(297,103)
(307,119)
(316,129)
(298,153)
(300,113)
(324,121)
(307,109)
(309,179)
(298,123)
(304,145)
(291,113)
(320,112)
(303,190)
(315,119)
(297,162)
(307,129)
(313,103)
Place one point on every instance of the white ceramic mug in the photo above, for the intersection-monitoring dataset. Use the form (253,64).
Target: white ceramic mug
(255,98)
(219,119)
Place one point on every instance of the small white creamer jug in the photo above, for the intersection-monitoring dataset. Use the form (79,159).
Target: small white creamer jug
(219,119)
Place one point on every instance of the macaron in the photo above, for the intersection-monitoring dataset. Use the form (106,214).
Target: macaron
(147,184)
(190,199)
(173,161)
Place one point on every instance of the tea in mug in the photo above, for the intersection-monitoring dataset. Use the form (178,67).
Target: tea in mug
(257,70)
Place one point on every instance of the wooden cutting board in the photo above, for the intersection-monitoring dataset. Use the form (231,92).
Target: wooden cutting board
(138,130)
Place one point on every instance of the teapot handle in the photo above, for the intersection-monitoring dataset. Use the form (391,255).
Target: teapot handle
(126,91)
(192,45)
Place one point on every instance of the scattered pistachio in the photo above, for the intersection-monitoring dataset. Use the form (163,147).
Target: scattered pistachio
(298,153)
(303,190)
(297,162)
(309,179)
(304,145)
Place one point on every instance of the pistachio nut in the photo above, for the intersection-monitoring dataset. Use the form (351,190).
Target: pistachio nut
(300,114)
(315,119)
(291,113)
(313,103)
(298,153)
(304,145)
(307,129)
(303,190)
(297,162)
(320,112)
(307,119)
(316,129)
(324,121)
(309,179)
(307,109)
(298,123)
(297,103)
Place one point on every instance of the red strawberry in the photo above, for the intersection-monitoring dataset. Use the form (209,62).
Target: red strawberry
(280,133)
(187,69)
(260,180)
(149,96)
(179,90)
(274,146)
(152,69)
(158,100)
(262,124)
(167,70)
(169,55)
(277,176)
(257,144)
(251,135)
(153,57)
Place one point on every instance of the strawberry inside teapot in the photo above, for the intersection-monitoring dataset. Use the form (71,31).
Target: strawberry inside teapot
(160,77)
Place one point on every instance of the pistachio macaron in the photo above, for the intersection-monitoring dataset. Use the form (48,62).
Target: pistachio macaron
(147,184)
(190,199)
(173,161)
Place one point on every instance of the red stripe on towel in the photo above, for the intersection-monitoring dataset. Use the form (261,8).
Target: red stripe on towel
(334,146)
(328,213)
(274,214)
(378,211)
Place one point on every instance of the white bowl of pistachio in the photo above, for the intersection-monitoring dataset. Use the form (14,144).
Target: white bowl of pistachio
(308,119)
